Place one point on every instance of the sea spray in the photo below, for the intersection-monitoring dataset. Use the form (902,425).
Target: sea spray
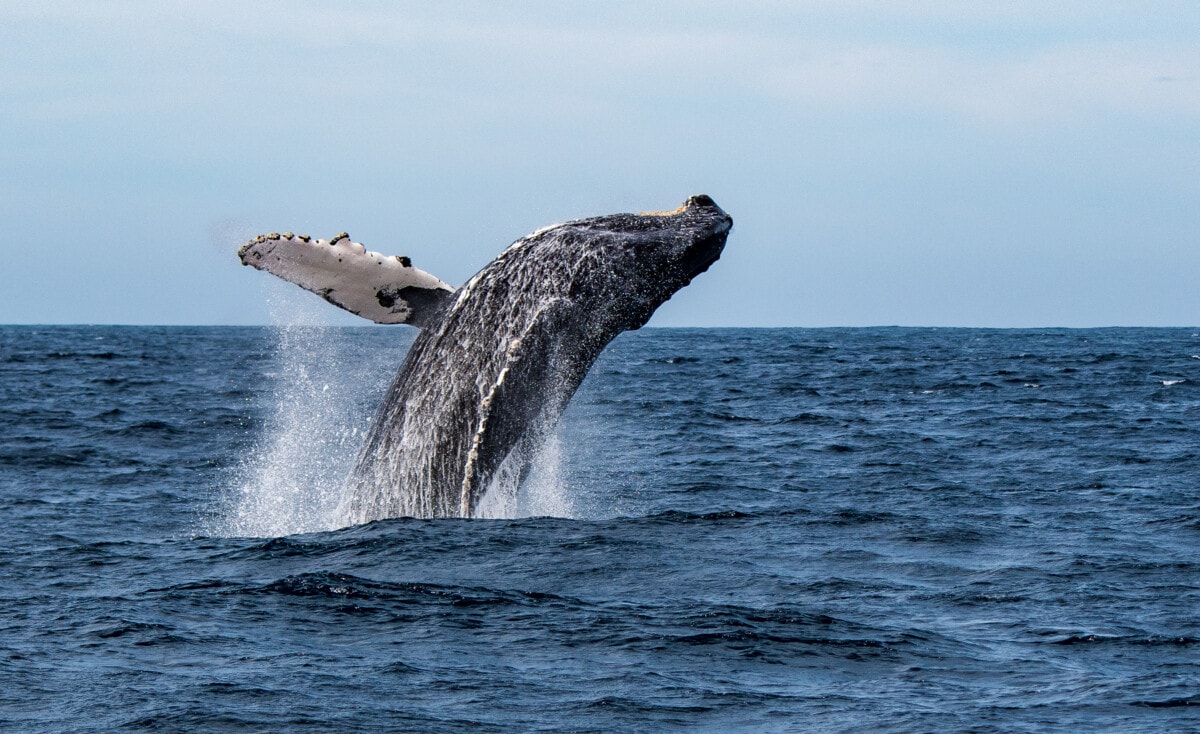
(544,493)
(292,478)
(324,388)
(321,402)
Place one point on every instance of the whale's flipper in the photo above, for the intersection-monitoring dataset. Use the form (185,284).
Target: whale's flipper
(381,288)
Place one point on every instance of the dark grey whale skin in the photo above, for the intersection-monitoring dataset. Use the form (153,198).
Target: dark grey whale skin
(485,383)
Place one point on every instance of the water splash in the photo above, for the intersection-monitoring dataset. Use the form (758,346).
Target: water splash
(544,492)
(291,481)
(325,391)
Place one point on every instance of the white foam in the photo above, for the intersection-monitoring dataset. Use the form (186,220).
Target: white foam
(1168,383)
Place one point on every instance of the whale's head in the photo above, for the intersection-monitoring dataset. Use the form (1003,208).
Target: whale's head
(619,268)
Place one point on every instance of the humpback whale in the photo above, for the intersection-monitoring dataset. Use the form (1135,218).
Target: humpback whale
(497,360)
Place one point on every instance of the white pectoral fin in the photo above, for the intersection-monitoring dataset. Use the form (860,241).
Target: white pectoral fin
(385,289)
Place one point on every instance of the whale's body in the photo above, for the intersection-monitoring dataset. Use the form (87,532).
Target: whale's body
(497,360)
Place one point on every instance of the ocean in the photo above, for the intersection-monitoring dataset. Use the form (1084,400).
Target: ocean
(776,530)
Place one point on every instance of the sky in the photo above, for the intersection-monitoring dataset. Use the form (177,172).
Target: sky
(1002,164)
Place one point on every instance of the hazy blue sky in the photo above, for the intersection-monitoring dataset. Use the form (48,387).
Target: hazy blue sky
(916,163)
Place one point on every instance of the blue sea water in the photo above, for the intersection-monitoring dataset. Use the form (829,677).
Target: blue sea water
(842,530)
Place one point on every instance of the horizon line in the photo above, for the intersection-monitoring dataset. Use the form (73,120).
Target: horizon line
(644,328)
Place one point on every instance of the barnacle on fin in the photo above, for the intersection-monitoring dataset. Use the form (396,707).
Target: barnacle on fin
(338,238)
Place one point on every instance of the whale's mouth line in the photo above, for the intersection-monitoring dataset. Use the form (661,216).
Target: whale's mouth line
(701,259)
(708,250)
(706,264)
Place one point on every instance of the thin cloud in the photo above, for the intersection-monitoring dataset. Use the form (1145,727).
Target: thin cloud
(1058,86)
